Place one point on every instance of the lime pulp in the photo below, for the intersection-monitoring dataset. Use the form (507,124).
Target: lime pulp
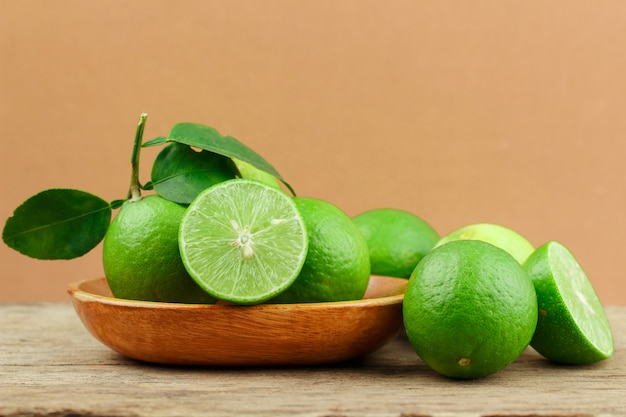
(243,241)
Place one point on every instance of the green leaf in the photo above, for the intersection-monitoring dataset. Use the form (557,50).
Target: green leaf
(209,139)
(115,204)
(179,173)
(155,142)
(58,223)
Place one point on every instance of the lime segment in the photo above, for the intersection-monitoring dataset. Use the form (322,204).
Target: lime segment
(243,241)
(572,326)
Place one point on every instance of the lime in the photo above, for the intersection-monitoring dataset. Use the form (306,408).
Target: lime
(140,254)
(337,266)
(397,240)
(243,241)
(572,327)
(469,309)
(249,171)
(503,237)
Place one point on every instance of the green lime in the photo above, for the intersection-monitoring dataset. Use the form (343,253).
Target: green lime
(140,254)
(503,237)
(243,241)
(248,171)
(572,327)
(397,240)
(337,266)
(469,309)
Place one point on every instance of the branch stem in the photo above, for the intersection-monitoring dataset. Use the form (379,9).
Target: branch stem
(134,192)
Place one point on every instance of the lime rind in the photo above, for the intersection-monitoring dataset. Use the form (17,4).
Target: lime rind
(243,241)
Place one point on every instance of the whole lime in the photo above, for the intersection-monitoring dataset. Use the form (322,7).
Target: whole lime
(141,257)
(501,236)
(397,240)
(469,309)
(249,171)
(337,265)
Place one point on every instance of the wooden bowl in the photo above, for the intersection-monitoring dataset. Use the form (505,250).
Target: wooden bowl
(230,335)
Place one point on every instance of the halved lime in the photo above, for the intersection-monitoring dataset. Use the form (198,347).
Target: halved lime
(243,241)
(572,326)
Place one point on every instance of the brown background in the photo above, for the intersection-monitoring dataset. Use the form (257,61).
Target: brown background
(512,112)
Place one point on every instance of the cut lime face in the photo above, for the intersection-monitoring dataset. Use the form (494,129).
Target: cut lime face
(243,241)
(572,326)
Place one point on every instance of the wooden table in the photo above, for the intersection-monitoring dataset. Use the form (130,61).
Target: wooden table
(51,366)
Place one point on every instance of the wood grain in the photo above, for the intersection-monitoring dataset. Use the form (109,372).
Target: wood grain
(51,366)
(231,335)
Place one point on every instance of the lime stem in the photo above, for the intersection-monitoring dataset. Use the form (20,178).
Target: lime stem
(134,192)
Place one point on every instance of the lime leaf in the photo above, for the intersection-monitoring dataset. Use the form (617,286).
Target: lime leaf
(209,139)
(115,204)
(155,142)
(179,173)
(58,224)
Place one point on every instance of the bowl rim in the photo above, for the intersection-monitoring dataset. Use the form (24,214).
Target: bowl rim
(77,292)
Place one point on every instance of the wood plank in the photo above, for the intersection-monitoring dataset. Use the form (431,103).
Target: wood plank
(51,366)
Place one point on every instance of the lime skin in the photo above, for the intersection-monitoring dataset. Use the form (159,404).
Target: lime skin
(469,309)
(397,240)
(337,266)
(141,257)
(501,236)
(249,171)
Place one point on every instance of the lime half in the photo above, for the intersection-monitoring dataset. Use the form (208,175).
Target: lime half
(243,241)
(572,326)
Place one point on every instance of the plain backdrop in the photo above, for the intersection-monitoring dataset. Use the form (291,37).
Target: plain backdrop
(509,112)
